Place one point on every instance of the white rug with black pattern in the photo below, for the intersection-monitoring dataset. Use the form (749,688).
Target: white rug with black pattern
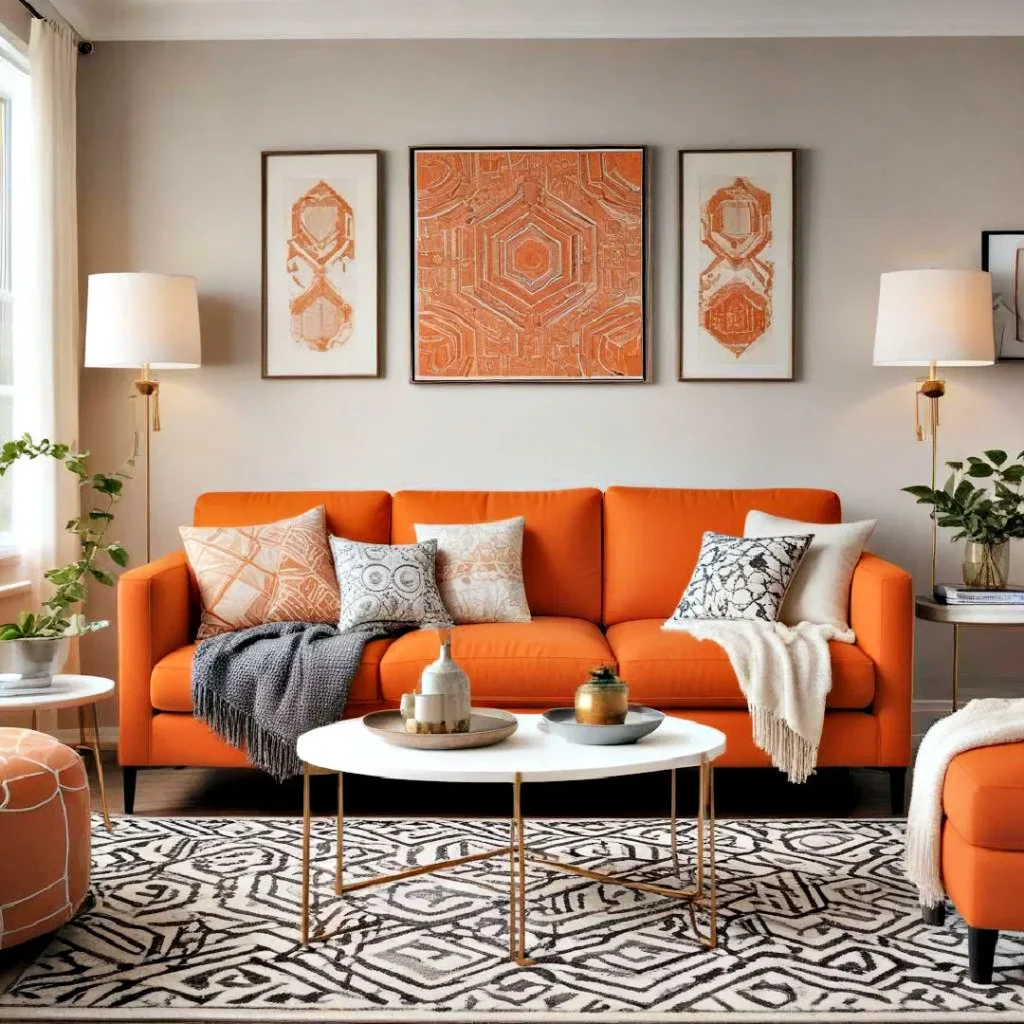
(196,919)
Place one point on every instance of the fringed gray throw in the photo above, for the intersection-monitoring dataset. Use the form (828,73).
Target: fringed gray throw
(261,688)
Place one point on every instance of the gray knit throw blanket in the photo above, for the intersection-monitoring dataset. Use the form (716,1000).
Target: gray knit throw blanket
(261,688)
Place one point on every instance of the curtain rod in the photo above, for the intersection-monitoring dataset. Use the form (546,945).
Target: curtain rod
(84,46)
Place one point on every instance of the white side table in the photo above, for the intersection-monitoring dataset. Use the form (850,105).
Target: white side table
(70,691)
(957,615)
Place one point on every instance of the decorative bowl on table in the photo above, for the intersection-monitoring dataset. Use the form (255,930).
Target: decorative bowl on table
(487,726)
(639,722)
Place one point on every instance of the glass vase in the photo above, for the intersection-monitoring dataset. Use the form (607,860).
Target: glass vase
(986,565)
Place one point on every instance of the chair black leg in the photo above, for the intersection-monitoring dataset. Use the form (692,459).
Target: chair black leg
(981,948)
(934,915)
(128,777)
(897,791)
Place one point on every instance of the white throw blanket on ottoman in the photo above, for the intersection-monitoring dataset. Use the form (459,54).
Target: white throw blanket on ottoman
(785,673)
(981,723)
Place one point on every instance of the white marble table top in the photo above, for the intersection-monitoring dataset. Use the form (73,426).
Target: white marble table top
(350,747)
(67,691)
(969,614)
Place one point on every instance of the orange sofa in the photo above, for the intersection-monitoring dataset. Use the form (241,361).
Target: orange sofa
(602,572)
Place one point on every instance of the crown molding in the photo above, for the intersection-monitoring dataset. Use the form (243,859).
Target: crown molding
(538,19)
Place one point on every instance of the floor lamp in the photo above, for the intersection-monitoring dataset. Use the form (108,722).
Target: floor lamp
(143,322)
(934,318)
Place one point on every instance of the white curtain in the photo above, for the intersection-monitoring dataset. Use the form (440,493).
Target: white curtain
(47,325)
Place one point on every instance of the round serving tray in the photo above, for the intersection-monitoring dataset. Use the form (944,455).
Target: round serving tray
(487,726)
(639,722)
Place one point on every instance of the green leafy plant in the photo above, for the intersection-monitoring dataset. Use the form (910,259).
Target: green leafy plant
(976,512)
(100,492)
(605,675)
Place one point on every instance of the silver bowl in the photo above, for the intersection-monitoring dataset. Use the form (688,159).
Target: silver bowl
(639,722)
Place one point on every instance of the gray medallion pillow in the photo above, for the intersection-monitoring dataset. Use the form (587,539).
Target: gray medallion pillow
(388,583)
(741,577)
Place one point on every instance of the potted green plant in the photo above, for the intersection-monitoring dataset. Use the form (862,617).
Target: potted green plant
(35,645)
(986,518)
(603,699)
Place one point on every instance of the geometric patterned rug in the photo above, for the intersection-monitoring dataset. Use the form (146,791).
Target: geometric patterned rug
(196,919)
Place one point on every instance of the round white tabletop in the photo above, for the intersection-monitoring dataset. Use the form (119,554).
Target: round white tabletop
(969,614)
(535,756)
(66,691)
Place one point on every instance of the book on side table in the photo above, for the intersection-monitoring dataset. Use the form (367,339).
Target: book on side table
(951,594)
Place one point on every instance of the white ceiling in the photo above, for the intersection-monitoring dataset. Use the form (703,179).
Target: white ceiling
(538,19)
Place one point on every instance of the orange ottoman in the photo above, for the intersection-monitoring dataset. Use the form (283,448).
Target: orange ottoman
(44,835)
(983,847)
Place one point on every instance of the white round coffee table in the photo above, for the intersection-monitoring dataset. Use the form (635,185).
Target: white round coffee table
(529,755)
(69,691)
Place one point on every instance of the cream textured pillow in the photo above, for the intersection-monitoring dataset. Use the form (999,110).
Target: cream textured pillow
(388,583)
(248,575)
(480,569)
(821,590)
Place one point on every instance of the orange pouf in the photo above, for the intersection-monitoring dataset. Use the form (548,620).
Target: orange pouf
(44,835)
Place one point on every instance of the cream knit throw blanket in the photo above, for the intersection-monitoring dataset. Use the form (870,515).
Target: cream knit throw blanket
(785,673)
(981,723)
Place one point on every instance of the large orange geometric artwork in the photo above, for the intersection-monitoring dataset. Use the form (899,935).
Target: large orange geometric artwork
(529,265)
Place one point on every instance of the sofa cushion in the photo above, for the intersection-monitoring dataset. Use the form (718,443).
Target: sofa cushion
(510,664)
(170,686)
(652,536)
(983,796)
(561,543)
(666,669)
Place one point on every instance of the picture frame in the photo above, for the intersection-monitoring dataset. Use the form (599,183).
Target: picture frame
(1002,255)
(529,264)
(322,252)
(737,269)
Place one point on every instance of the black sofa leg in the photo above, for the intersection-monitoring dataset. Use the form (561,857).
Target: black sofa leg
(981,949)
(128,778)
(897,791)
(934,915)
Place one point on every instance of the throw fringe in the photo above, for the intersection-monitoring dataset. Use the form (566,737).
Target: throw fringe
(789,752)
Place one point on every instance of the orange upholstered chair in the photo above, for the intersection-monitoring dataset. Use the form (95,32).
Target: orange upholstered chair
(983,848)
(44,835)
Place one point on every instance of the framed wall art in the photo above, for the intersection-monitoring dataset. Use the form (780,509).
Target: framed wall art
(1002,255)
(736,265)
(321,264)
(529,264)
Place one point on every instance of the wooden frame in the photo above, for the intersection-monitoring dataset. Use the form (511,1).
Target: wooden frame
(645,286)
(378,347)
(986,246)
(788,293)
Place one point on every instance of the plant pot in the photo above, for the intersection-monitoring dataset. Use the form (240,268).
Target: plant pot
(32,662)
(602,703)
(986,565)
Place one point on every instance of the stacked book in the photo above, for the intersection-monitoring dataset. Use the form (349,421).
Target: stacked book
(949,594)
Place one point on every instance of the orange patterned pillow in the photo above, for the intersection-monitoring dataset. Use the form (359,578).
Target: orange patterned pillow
(248,575)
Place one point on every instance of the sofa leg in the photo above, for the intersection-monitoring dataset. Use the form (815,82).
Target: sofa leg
(981,949)
(897,791)
(934,915)
(128,777)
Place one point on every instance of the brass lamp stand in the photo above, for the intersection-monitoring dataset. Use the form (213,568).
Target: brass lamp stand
(932,389)
(149,389)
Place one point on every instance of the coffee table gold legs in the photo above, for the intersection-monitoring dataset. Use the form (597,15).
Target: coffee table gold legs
(518,909)
(304,919)
(672,811)
(94,747)
(339,863)
(707,898)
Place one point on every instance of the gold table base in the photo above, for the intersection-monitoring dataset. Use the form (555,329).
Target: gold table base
(701,896)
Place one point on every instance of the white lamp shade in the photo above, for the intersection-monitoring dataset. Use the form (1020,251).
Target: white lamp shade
(136,320)
(935,316)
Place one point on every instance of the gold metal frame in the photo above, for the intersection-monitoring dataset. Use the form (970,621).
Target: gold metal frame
(701,896)
(94,746)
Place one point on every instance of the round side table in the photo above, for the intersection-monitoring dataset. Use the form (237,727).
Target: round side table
(69,691)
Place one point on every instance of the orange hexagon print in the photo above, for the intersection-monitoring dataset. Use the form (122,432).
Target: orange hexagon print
(529,265)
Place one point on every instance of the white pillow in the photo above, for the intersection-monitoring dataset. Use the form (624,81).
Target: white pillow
(480,569)
(820,591)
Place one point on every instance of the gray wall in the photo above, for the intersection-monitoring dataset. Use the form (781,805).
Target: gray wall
(909,148)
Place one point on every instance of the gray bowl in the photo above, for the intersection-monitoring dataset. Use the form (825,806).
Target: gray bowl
(639,722)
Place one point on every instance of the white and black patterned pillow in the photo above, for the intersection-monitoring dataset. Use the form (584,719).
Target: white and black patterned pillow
(741,577)
(388,583)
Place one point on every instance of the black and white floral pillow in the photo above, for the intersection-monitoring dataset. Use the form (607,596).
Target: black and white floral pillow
(741,577)
(388,583)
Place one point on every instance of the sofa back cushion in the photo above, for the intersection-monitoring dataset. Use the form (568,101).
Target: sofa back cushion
(561,542)
(358,515)
(652,537)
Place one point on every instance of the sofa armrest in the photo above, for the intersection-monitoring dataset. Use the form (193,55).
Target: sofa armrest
(153,620)
(882,616)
